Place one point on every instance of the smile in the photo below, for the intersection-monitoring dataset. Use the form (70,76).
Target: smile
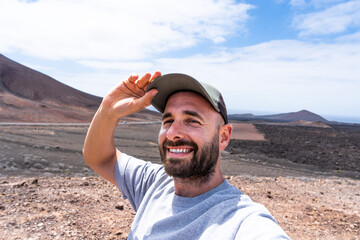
(179,150)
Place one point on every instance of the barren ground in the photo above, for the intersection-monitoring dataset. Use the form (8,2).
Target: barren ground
(47,192)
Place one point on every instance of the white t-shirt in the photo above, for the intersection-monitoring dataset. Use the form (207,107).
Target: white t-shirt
(222,213)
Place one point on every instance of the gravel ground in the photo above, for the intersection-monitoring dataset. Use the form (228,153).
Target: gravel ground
(91,208)
(47,192)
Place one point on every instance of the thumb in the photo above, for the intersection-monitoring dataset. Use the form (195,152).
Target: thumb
(145,100)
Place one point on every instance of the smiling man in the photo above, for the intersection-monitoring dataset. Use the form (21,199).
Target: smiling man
(187,196)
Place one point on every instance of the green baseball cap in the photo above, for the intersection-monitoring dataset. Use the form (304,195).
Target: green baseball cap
(169,84)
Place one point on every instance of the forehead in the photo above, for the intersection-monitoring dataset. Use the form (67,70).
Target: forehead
(188,101)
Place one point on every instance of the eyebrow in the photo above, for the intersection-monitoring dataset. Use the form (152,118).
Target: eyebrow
(186,112)
(166,115)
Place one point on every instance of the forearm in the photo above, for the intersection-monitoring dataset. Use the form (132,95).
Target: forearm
(99,149)
(125,99)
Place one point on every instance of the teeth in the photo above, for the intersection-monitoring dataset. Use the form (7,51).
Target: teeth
(179,150)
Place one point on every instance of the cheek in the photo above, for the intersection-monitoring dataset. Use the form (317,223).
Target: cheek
(162,135)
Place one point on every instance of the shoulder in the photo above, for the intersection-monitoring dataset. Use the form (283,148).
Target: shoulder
(252,219)
(130,169)
(135,178)
(240,200)
(230,201)
(129,163)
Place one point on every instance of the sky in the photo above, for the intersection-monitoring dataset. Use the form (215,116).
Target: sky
(265,56)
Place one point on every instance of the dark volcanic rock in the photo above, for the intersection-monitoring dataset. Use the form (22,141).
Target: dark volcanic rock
(336,148)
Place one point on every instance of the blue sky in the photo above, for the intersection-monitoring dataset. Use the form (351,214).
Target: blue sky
(270,56)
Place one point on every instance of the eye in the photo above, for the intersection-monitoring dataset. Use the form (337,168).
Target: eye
(167,121)
(193,121)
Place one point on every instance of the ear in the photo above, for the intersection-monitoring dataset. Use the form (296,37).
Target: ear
(224,136)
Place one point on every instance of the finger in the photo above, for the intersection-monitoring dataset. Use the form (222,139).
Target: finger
(143,81)
(145,100)
(133,77)
(155,75)
(133,89)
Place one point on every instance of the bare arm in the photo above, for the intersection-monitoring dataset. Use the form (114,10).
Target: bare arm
(127,98)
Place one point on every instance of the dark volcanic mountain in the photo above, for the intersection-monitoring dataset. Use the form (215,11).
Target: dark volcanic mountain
(302,115)
(27,95)
(296,116)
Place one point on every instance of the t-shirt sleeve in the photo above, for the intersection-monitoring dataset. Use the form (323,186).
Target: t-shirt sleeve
(261,225)
(134,177)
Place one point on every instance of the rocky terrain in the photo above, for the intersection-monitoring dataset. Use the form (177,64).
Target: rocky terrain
(90,208)
(47,192)
(336,148)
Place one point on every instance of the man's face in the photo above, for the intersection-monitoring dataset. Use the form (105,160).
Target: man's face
(189,136)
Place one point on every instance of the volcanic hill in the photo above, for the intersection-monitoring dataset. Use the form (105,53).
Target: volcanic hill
(27,95)
(302,115)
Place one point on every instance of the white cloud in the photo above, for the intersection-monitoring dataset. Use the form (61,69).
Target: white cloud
(113,38)
(332,20)
(95,29)
(126,65)
(281,76)
(324,3)
(317,4)
(349,38)
(276,76)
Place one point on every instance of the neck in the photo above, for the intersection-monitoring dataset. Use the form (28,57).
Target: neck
(189,187)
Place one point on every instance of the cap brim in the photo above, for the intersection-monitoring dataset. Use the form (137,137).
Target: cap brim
(171,83)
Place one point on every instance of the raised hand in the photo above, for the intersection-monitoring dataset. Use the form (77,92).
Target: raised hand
(129,96)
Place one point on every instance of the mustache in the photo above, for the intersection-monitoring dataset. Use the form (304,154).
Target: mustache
(168,143)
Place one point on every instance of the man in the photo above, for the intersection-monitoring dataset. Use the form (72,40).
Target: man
(187,197)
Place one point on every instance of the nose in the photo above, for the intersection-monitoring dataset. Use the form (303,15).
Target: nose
(175,132)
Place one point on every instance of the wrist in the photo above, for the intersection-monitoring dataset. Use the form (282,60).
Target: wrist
(106,116)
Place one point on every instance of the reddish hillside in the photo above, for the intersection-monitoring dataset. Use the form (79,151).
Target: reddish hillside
(27,83)
(27,95)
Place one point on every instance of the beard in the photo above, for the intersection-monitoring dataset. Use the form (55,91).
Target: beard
(200,166)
